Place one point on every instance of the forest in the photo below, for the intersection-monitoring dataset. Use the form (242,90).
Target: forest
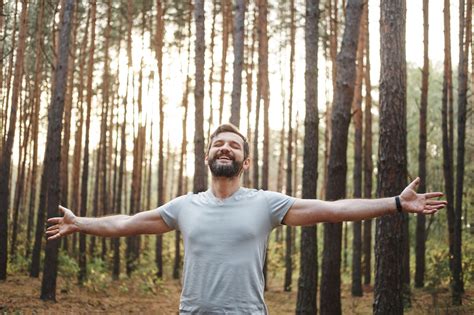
(107,107)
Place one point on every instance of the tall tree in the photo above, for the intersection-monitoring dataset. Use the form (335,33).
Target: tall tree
(7,149)
(159,34)
(308,279)
(200,171)
(238,42)
(337,165)
(458,283)
(392,157)
(368,164)
(85,165)
(35,117)
(52,158)
(421,219)
(447,131)
(226,7)
(356,289)
(289,154)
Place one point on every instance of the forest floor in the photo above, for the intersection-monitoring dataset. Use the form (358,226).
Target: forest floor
(19,294)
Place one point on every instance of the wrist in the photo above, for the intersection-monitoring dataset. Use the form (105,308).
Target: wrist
(398,205)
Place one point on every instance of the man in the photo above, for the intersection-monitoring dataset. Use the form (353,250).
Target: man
(225,229)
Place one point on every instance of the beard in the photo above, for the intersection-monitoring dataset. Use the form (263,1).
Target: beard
(225,170)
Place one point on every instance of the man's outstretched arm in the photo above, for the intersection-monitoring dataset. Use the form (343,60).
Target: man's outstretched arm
(312,211)
(146,222)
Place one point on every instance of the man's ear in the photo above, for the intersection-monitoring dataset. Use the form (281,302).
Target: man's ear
(206,160)
(246,164)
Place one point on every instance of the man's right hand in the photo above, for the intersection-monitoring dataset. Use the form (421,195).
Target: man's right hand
(62,226)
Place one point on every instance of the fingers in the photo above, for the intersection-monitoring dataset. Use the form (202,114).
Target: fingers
(436,202)
(55,236)
(62,209)
(55,220)
(414,184)
(434,195)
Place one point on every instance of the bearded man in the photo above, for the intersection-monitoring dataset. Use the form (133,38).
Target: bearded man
(225,229)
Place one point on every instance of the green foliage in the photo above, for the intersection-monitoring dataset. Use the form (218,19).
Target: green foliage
(67,266)
(437,265)
(98,279)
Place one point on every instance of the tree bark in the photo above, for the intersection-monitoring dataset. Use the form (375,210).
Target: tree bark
(53,151)
(238,42)
(337,166)
(200,171)
(82,276)
(420,246)
(356,289)
(392,163)
(368,164)
(7,149)
(458,283)
(308,279)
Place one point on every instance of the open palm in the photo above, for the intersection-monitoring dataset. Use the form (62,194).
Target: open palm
(424,203)
(62,226)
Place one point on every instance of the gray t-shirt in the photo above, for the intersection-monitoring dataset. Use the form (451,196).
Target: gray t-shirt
(224,248)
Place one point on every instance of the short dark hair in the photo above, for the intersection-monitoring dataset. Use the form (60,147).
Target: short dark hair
(230,128)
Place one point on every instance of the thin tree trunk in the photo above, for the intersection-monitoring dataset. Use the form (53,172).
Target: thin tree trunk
(5,158)
(392,157)
(82,276)
(368,164)
(420,245)
(200,171)
(458,283)
(356,289)
(238,42)
(308,279)
(211,71)
(289,154)
(226,21)
(35,118)
(447,131)
(337,166)
(53,151)
(161,193)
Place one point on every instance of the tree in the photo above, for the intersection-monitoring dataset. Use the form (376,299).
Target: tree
(458,284)
(308,279)
(52,158)
(226,23)
(356,289)
(368,164)
(7,148)
(392,157)
(421,219)
(289,155)
(238,42)
(337,166)
(200,171)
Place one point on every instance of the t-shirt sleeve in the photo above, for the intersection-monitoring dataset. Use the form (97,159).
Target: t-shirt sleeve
(170,212)
(278,204)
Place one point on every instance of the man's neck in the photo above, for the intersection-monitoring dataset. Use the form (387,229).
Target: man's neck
(224,187)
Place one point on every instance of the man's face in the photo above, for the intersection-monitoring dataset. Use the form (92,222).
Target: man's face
(226,155)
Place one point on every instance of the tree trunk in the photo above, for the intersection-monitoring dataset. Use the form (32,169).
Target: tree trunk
(226,22)
(464,28)
(356,289)
(308,279)
(82,276)
(420,246)
(200,171)
(184,143)
(392,163)
(35,118)
(337,166)
(238,42)
(447,129)
(368,164)
(7,149)
(211,71)
(160,30)
(289,153)
(52,158)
